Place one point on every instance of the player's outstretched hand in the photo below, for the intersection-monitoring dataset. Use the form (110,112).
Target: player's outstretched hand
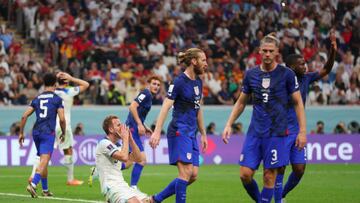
(300,141)
(204,143)
(226,134)
(21,139)
(154,139)
(141,129)
(62,138)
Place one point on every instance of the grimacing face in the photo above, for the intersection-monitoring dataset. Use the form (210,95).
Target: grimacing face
(201,64)
(268,53)
(154,86)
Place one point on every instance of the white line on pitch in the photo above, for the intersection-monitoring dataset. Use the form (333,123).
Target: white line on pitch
(51,198)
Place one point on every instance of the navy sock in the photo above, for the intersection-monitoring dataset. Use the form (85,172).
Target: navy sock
(253,190)
(36,179)
(123,166)
(167,192)
(180,190)
(292,181)
(44,184)
(267,194)
(278,188)
(136,173)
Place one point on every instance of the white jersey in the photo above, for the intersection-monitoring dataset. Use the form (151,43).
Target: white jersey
(110,174)
(67,94)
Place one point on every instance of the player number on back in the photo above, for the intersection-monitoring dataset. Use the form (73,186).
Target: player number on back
(265,97)
(44,108)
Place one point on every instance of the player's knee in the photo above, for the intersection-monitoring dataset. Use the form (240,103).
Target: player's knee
(299,170)
(269,178)
(245,177)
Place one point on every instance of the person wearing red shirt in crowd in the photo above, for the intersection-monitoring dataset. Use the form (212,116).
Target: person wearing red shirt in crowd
(82,44)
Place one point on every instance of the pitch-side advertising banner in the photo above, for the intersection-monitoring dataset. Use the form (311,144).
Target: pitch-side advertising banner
(320,149)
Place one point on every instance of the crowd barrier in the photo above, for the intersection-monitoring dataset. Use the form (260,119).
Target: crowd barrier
(320,149)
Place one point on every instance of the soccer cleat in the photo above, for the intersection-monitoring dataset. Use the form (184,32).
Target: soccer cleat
(90,180)
(47,194)
(32,191)
(75,182)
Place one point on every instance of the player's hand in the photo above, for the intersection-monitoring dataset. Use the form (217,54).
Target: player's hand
(226,134)
(21,139)
(124,132)
(300,141)
(204,143)
(62,138)
(64,76)
(141,129)
(333,39)
(154,139)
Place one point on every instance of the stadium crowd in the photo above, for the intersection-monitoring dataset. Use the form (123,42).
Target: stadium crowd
(115,45)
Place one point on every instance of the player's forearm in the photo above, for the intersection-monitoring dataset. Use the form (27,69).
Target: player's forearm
(134,113)
(123,155)
(22,124)
(63,126)
(162,116)
(236,112)
(330,62)
(200,122)
(300,114)
(80,82)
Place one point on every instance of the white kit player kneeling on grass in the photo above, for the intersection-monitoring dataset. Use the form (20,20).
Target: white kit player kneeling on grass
(109,157)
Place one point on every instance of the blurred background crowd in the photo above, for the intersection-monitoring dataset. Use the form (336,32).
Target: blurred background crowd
(116,44)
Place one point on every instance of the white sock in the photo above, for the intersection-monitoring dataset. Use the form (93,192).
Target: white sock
(68,163)
(35,165)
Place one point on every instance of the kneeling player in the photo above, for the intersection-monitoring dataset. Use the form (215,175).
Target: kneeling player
(109,157)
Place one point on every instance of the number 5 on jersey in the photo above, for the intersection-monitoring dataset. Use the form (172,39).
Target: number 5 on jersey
(43,108)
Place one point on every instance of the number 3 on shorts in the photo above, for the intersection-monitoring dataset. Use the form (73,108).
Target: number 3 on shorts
(274,155)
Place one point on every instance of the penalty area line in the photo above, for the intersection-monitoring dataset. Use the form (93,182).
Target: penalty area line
(50,198)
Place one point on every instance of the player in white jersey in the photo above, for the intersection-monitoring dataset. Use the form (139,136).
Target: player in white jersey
(109,157)
(67,93)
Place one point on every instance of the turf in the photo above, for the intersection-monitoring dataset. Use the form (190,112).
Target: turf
(321,183)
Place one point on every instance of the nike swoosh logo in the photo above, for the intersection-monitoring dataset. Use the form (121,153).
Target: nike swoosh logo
(272,163)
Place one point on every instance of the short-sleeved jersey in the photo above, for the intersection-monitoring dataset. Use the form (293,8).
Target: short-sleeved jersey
(46,105)
(304,83)
(110,174)
(67,94)
(270,92)
(144,99)
(186,94)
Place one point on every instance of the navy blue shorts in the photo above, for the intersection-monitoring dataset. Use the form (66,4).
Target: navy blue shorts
(44,143)
(271,150)
(296,156)
(183,148)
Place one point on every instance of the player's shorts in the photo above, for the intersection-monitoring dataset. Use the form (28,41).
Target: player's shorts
(69,138)
(121,194)
(296,156)
(183,148)
(44,143)
(136,136)
(271,150)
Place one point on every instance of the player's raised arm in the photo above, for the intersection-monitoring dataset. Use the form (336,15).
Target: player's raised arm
(235,113)
(24,117)
(133,110)
(83,85)
(155,137)
(200,122)
(330,62)
(62,122)
(300,114)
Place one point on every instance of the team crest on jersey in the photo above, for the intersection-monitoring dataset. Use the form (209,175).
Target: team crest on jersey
(265,83)
(188,156)
(196,90)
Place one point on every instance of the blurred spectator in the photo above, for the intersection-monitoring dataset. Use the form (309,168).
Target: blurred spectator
(340,128)
(15,128)
(237,128)
(354,127)
(353,94)
(79,130)
(211,129)
(4,95)
(316,96)
(319,128)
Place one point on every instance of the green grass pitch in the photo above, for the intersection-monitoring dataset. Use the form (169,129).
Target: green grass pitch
(216,183)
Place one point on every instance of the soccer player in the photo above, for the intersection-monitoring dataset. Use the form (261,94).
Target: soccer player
(109,157)
(47,107)
(139,109)
(298,157)
(270,86)
(185,96)
(67,93)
